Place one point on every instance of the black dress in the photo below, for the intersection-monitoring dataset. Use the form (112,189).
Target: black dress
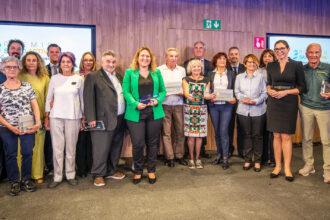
(282,113)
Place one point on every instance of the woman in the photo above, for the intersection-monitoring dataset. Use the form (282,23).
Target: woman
(144,92)
(286,80)
(17,103)
(84,144)
(35,73)
(250,91)
(196,89)
(221,111)
(267,158)
(64,108)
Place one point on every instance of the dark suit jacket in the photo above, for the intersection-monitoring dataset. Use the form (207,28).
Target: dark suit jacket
(208,67)
(231,82)
(241,68)
(100,99)
(49,70)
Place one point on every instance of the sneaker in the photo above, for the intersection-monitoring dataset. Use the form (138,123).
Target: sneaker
(53,184)
(191,164)
(199,164)
(117,176)
(72,182)
(99,181)
(28,186)
(15,188)
(306,170)
(326,178)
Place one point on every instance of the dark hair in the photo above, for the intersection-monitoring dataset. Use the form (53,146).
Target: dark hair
(70,56)
(53,45)
(217,56)
(271,52)
(15,41)
(283,42)
(232,48)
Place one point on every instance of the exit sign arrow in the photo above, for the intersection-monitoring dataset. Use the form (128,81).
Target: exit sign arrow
(209,24)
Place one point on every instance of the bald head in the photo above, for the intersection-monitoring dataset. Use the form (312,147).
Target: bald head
(313,54)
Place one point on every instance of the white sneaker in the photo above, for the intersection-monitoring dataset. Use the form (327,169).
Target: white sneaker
(326,178)
(191,164)
(199,164)
(306,170)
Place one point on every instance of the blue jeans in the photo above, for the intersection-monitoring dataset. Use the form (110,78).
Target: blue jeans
(10,145)
(221,116)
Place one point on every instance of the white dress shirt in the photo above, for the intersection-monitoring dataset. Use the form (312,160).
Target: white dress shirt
(119,90)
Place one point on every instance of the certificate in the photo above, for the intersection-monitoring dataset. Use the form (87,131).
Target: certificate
(173,88)
(325,87)
(224,94)
(25,122)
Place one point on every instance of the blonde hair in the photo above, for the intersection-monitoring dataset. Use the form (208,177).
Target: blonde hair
(192,63)
(135,61)
(171,49)
(81,65)
(253,57)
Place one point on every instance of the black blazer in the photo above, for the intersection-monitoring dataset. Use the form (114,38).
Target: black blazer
(231,82)
(100,98)
(208,67)
(49,70)
(241,68)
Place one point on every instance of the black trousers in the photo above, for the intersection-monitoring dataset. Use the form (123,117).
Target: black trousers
(252,130)
(3,173)
(146,132)
(84,155)
(106,149)
(48,151)
(239,137)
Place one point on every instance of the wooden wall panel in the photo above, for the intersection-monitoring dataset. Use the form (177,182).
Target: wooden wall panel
(125,25)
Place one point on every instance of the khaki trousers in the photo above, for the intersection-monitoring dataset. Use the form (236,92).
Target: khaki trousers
(308,118)
(64,134)
(173,121)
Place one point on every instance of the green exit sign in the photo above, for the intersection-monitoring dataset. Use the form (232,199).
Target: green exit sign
(209,24)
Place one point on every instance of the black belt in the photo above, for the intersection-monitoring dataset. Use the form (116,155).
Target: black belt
(283,87)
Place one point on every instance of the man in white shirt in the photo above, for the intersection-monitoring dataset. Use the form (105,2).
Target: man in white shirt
(173,108)
(104,102)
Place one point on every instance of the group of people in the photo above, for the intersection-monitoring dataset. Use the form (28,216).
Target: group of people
(74,122)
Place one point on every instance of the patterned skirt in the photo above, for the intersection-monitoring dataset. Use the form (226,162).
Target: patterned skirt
(195,120)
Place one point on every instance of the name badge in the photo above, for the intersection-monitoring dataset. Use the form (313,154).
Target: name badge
(73,83)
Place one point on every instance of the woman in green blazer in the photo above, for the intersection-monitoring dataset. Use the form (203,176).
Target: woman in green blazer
(144,92)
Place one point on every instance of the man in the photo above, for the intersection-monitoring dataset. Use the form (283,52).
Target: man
(104,101)
(53,52)
(15,48)
(313,108)
(199,53)
(173,108)
(237,68)
(234,57)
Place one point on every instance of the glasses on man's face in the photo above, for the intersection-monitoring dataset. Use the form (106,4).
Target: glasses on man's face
(279,49)
(11,67)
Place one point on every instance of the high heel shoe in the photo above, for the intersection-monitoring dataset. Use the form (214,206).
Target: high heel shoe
(289,178)
(137,180)
(152,180)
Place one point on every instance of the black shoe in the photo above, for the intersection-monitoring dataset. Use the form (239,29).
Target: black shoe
(182,161)
(225,164)
(73,182)
(257,169)
(217,161)
(136,180)
(53,184)
(247,167)
(289,178)
(170,163)
(28,186)
(152,180)
(15,188)
(274,175)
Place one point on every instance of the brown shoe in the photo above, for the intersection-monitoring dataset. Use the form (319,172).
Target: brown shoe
(117,176)
(99,181)
(39,181)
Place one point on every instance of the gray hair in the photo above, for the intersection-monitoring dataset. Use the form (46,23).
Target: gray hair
(314,44)
(192,63)
(11,59)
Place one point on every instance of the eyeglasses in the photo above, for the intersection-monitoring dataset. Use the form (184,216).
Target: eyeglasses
(279,49)
(11,67)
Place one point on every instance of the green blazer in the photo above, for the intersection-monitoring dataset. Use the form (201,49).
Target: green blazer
(132,97)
